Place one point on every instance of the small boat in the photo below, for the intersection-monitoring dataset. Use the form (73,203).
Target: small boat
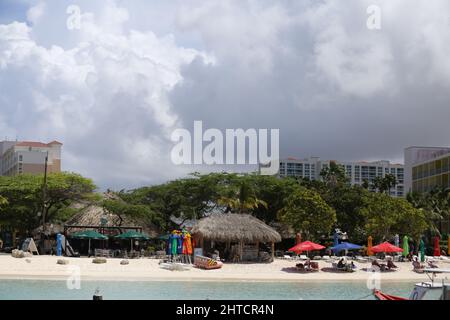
(207,263)
(429,290)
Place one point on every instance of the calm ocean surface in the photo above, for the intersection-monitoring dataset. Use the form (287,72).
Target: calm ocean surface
(154,290)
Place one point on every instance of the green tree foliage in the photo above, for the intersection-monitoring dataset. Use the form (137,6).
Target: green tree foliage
(334,175)
(384,184)
(436,205)
(347,201)
(25,198)
(242,199)
(386,216)
(305,210)
(121,208)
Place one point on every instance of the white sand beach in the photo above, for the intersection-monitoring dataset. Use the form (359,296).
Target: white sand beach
(145,269)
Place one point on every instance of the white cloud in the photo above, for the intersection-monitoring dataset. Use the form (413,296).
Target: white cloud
(105,98)
(114,90)
(35,13)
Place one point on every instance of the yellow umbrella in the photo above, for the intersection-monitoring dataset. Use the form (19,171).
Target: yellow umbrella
(369,246)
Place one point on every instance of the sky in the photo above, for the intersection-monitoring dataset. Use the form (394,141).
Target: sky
(112,80)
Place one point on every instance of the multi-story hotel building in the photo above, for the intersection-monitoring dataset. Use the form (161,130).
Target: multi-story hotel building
(18,157)
(426,168)
(357,172)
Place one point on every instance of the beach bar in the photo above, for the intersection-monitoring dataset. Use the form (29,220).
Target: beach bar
(237,237)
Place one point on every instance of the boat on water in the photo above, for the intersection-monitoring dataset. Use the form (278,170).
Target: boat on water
(428,290)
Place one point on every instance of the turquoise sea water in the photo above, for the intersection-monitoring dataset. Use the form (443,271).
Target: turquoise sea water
(187,290)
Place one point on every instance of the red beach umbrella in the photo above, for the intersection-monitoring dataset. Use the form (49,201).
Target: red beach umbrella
(306,246)
(437,250)
(386,247)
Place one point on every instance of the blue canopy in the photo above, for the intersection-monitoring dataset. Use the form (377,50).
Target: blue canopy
(345,246)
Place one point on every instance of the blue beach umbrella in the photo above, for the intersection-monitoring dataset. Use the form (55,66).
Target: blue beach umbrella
(345,246)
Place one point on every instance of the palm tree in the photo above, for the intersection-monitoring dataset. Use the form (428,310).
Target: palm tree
(242,200)
(389,182)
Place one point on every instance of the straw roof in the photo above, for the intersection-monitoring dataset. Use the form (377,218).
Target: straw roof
(235,227)
(92,214)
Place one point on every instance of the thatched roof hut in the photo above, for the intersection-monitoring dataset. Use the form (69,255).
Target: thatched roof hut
(232,227)
(95,215)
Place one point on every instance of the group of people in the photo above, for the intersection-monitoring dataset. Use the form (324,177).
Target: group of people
(389,265)
(308,266)
(343,265)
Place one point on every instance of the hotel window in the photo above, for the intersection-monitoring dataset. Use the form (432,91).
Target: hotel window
(20,158)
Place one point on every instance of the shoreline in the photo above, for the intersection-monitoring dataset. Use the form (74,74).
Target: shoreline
(229,280)
(46,268)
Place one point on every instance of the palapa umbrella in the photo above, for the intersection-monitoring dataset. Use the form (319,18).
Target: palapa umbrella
(405,246)
(422,250)
(306,246)
(133,235)
(437,249)
(386,247)
(448,245)
(91,235)
(369,246)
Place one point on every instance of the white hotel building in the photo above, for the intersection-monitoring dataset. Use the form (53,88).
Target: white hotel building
(357,172)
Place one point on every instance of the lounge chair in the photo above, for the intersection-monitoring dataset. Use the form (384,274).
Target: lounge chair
(300,266)
(346,268)
(313,266)
(382,267)
(317,258)
(418,267)
(391,265)
(302,257)
(432,264)
(308,266)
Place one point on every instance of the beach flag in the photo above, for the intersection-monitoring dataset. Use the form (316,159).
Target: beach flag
(369,246)
(437,250)
(405,246)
